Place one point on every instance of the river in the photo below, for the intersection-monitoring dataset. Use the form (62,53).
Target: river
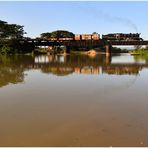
(73,100)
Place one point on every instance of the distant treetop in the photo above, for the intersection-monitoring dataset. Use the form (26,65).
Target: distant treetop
(57,34)
(10,30)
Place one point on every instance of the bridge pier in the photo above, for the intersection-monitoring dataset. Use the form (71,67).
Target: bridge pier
(108,60)
(65,50)
(108,50)
(49,49)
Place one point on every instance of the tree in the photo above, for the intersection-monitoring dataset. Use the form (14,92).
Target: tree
(57,34)
(9,35)
(45,35)
(3,28)
(62,34)
(94,33)
(10,31)
(16,31)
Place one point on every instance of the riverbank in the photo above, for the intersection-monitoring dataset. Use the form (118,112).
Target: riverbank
(139,52)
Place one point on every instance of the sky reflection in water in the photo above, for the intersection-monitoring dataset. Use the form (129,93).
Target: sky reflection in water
(73,101)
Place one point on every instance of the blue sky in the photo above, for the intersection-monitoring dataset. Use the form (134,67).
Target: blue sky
(77,16)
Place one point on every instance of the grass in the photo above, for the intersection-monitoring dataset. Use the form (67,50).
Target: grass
(139,52)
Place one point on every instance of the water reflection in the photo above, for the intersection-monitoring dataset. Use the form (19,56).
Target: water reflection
(73,101)
(12,67)
(64,65)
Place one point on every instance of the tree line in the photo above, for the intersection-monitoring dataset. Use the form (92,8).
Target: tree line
(11,33)
(57,34)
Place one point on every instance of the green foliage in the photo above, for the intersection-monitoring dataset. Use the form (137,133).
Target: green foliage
(13,46)
(94,33)
(9,39)
(5,49)
(146,48)
(10,31)
(45,35)
(10,70)
(141,51)
(119,50)
(57,34)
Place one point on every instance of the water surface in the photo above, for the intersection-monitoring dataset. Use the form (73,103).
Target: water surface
(73,101)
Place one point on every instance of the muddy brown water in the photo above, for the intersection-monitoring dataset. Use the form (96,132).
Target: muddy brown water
(73,101)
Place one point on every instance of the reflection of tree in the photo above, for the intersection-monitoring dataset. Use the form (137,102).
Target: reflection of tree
(12,69)
(141,57)
(59,71)
(84,60)
(73,63)
(120,70)
(10,75)
(86,65)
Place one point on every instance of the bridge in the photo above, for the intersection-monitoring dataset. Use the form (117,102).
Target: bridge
(128,43)
(88,44)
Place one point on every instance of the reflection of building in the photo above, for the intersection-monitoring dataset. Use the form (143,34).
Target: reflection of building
(12,69)
(87,70)
(120,70)
(48,59)
(41,59)
(77,70)
(59,64)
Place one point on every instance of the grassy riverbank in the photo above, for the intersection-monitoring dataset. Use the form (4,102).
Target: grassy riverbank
(140,54)
(141,51)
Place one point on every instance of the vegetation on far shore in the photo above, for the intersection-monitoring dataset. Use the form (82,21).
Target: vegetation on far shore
(57,34)
(140,54)
(140,51)
(119,50)
(10,34)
